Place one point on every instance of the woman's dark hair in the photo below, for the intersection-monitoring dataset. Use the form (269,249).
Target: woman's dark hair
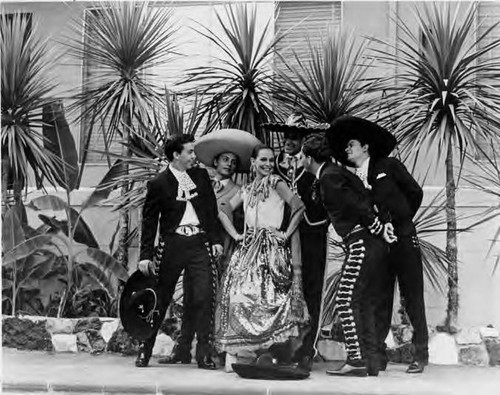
(316,146)
(176,145)
(256,150)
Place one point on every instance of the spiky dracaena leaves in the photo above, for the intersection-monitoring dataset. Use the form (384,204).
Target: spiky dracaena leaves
(26,88)
(447,91)
(239,80)
(331,82)
(124,40)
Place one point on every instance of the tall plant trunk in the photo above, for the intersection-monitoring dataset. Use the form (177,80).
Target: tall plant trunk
(124,218)
(451,244)
(5,181)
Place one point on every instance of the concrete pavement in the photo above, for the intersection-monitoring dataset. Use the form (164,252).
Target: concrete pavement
(36,372)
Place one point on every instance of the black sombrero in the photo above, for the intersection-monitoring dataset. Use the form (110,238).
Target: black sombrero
(296,124)
(140,306)
(265,369)
(347,127)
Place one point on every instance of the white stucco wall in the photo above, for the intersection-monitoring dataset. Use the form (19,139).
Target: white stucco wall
(479,288)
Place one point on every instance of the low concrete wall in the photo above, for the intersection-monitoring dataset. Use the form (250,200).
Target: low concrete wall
(478,346)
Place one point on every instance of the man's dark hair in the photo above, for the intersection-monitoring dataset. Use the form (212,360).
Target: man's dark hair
(316,146)
(176,145)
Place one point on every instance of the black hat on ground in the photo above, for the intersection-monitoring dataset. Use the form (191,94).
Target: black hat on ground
(265,369)
(296,126)
(139,306)
(347,127)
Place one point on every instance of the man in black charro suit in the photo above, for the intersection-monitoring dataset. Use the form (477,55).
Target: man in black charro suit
(182,201)
(351,211)
(398,197)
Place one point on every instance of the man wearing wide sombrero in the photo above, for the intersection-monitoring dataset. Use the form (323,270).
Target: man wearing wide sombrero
(313,228)
(398,196)
(227,151)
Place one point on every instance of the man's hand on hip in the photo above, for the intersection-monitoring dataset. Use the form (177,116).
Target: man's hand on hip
(217,250)
(146,266)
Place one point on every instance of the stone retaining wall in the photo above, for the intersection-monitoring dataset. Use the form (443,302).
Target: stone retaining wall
(474,346)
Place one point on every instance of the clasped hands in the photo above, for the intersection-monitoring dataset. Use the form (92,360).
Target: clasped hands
(388,234)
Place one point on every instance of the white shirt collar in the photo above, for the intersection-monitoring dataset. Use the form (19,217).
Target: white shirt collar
(364,166)
(318,172)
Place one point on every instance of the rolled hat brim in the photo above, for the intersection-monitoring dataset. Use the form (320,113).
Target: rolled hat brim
(237,141)
(346,128)
(273,372)
(140,289)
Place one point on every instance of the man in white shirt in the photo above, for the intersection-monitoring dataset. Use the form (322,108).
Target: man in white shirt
(181,200)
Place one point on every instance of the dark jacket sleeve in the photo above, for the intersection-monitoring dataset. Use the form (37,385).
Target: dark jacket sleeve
(338,196)
(407,184)
(150,216)
(212,226)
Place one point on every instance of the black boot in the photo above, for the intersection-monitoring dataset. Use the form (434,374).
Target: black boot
(145,351)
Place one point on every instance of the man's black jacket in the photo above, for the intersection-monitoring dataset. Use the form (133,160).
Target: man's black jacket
(395,192)
(161,205)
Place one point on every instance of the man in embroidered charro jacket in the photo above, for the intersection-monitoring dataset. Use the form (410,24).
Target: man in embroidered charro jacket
(352,214)
(226,151)
(313,229)
(181,200)
(398,196)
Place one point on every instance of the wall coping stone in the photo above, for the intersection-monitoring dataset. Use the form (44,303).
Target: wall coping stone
(470,346)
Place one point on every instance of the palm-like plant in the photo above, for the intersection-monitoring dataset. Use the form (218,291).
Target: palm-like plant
(125,40)
(26,89)
(332,83)
(447,97)
(486,178)
(239,81)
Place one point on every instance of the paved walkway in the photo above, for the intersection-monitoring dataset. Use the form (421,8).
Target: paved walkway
(35,372)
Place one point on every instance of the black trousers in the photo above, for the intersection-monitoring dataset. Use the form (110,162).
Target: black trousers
(405,265)
(313,246)
(191,254)
(357,295)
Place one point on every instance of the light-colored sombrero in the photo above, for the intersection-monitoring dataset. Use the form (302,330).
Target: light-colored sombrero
(236,141)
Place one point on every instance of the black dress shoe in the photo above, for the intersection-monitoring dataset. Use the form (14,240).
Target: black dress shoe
(416,367)
(143,357)
(206,362)
(306,363)
(175,358)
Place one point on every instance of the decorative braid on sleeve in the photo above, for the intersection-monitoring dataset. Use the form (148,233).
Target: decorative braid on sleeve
(376,227)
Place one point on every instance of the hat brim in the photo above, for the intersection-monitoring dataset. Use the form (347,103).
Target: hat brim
(346,128)
(295,129)
(271,372)
(134,325)
(236,141)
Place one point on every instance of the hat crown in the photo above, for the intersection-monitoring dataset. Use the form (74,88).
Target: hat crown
(296,119)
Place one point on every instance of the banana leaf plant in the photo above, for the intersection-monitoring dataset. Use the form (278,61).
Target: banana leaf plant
(239,80)
(69,255)
(446,100)
(332,82)
(25,89)
(124,40)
